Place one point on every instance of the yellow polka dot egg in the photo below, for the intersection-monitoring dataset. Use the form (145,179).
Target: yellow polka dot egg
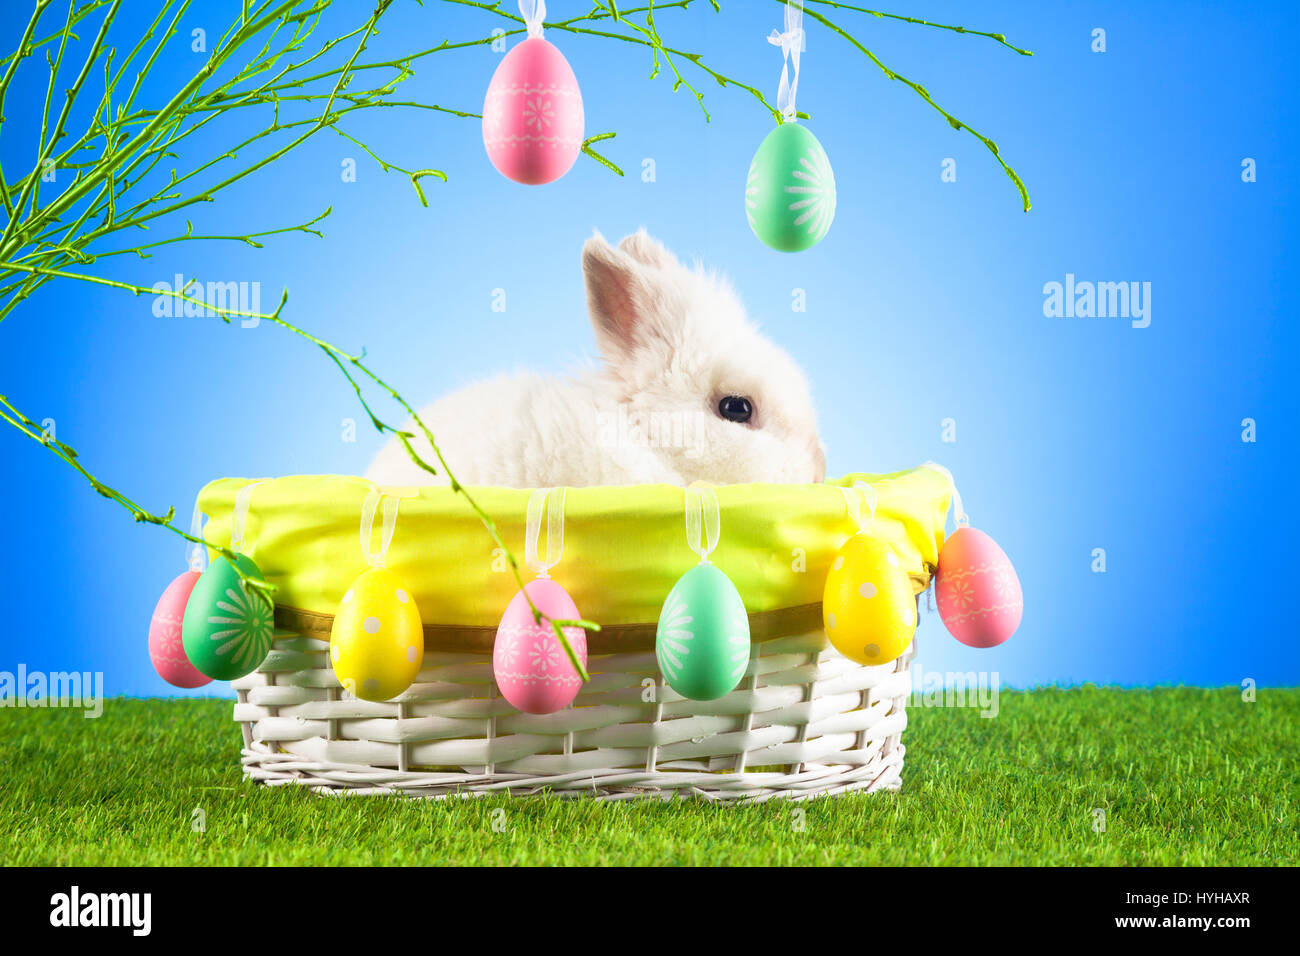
(868,606)
(377,642)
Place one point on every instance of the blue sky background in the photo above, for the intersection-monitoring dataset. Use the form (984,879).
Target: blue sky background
(925,302)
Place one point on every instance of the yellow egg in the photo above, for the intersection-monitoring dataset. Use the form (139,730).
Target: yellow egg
(868,606)
(377,642)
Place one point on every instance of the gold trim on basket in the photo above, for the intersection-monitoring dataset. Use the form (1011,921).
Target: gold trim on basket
(611,639)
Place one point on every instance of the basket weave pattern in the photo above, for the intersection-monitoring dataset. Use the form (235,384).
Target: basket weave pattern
(804,722)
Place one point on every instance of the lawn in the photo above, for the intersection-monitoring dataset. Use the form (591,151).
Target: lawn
(1184,775)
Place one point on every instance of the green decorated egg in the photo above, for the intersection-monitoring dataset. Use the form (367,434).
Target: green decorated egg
(703,638)
(790,192)
(227,629)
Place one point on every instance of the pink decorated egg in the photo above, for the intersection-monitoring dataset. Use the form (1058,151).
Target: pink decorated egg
(165,647)
(977,590)
(532,117)
(528,661)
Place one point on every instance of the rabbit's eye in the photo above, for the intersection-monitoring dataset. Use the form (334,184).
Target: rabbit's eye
(736,408)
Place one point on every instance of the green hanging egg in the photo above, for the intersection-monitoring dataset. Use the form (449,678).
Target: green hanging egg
(790,192)
(227,629)
(703,638)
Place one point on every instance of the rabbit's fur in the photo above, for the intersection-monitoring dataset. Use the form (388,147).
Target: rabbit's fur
(675,342)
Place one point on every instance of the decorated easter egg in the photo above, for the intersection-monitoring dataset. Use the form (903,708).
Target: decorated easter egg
(790,192)
(531,668)
(702,642)
(377,641)
(532,116)
(977,590)
(166,650)
(227,629)
(868,606)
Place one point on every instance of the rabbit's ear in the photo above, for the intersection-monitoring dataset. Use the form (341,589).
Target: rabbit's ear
(618,296)
(651,252)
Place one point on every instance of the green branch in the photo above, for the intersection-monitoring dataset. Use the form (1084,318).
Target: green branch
(586,148)
(69,455)
(924,23)
(342,359)
(922,92)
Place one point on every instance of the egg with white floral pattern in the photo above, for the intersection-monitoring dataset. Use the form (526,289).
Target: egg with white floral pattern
(228,626)
(790,190)
(868,606)
(532,115)
(377,640)
(977,589)
(530,665)
(702,642)
(166,650)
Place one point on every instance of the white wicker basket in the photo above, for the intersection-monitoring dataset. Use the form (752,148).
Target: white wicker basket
(804,722)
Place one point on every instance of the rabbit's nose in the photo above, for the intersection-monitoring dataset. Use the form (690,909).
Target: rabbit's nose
(819,463)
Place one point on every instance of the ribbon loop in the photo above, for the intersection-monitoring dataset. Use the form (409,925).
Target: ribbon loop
(550,500)
(391,504)
(533,12)
(792,42)
(196,553)
(703,519)
(958,513)
(854,498)
(239,517)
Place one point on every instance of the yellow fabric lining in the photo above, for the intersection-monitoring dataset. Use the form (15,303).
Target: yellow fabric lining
(624,547)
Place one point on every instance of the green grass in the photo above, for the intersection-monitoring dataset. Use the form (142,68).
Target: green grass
(1185,775)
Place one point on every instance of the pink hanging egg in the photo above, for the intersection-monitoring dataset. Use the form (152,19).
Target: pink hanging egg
(528,661)
(977,590)
(165,647)
(532,117)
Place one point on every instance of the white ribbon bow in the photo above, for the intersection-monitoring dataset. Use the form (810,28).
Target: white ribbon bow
(792,43)
(533,12)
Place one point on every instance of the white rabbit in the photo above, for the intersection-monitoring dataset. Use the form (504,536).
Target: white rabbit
(688,390)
